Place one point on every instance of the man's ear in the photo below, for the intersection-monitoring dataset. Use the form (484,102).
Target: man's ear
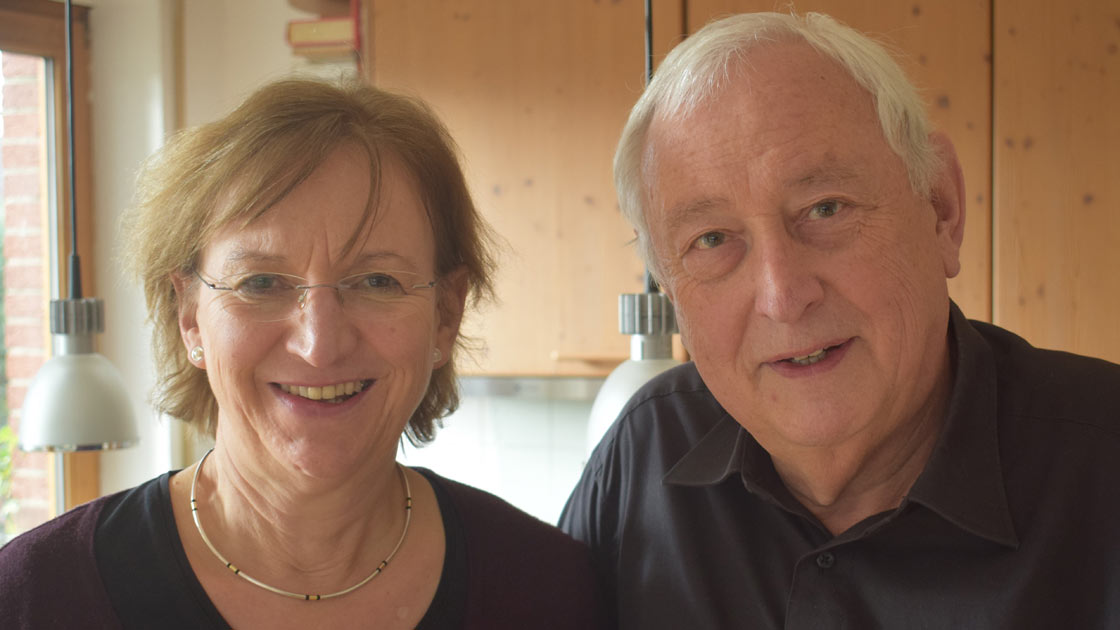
(188,310)
(452,303)
(947,197)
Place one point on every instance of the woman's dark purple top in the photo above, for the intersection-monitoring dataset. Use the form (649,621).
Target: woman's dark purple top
(117,562)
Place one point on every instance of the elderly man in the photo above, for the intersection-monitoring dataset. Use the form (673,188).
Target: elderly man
(846,449)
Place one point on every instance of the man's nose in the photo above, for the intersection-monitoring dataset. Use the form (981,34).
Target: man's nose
(787,280)
(322,330)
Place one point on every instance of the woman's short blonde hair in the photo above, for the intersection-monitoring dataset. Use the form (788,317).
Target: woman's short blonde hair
(231,171)
(701,66)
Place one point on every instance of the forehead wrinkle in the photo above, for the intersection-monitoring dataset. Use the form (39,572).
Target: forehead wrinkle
(823,175)
(663,137)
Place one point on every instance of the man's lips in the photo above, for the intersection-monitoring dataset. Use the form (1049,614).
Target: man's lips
(810,356)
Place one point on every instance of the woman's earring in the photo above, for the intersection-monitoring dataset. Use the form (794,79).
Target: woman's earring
(196,354)
(437,356)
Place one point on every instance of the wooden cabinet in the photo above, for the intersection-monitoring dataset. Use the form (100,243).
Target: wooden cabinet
(1057,173)
(536,94)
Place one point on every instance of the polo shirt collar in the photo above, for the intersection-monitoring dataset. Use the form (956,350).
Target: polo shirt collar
(715,457)
(962,481)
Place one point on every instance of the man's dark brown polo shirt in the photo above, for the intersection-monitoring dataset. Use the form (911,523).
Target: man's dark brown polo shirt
(1014,523)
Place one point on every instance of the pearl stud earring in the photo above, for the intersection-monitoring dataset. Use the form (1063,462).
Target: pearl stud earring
(196,354)
(437,356)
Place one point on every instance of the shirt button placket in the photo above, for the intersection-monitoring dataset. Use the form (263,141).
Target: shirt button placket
(815,601)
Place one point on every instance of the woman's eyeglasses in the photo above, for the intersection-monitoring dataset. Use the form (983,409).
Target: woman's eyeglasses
(270,297)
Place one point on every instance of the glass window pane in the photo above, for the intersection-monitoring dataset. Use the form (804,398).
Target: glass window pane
(25,180)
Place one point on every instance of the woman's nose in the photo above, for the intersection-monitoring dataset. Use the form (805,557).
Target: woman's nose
(322,331)
(305,292)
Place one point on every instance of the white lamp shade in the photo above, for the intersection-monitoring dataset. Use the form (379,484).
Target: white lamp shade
(620,385)
(77,402)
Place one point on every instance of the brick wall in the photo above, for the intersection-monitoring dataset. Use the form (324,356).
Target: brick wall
(23,159)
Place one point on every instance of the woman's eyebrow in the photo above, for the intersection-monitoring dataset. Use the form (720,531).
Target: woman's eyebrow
(380,259)
(239,257)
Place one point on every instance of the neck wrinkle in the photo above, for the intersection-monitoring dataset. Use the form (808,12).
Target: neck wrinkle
(843,491)
(319,541)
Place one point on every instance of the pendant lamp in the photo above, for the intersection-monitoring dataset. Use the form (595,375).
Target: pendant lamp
(78,400)
(649,319)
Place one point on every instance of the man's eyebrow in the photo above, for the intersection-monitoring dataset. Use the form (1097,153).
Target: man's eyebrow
(822,176)
(680,215)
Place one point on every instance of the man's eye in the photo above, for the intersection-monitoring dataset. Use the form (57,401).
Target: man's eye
(711,240)
(824,209)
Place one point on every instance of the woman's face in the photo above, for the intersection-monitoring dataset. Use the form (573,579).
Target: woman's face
(325,384)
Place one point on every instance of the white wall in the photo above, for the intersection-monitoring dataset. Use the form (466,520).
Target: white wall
(232,47)
(129,102)
(530,452)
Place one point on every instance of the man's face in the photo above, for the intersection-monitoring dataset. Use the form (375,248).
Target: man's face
(808,277)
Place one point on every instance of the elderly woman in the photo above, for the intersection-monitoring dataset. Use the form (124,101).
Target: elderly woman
(306,262)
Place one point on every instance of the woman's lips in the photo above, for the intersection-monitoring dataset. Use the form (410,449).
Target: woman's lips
(335,393)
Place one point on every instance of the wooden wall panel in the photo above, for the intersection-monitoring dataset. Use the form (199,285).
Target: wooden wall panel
(1057,180)
(944,47)
(536,94)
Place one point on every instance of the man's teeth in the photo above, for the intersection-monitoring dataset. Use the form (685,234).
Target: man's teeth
(811,358)
(326,392)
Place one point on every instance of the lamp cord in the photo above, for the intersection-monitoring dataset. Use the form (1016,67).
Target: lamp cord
(649,40)
(651,284)
(75,263)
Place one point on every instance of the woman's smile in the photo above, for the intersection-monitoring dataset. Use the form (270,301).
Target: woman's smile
(336,393)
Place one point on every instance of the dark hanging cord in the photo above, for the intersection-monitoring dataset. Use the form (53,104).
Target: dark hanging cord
(651,284)
(75,264)
(649,40)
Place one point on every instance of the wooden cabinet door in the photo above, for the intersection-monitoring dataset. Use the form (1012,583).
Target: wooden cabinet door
(536,94)
(1057,179)
(944,46)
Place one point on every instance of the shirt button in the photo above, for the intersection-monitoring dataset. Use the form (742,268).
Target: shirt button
(825,560)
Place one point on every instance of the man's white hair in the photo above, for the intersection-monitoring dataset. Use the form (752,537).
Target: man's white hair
(698,68)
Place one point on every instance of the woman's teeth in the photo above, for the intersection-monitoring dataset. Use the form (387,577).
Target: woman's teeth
(332,393)
(811,358)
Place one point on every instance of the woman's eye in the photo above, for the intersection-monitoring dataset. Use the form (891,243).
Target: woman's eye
(260,283)
(380,283)
(711,240)
(824,209)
